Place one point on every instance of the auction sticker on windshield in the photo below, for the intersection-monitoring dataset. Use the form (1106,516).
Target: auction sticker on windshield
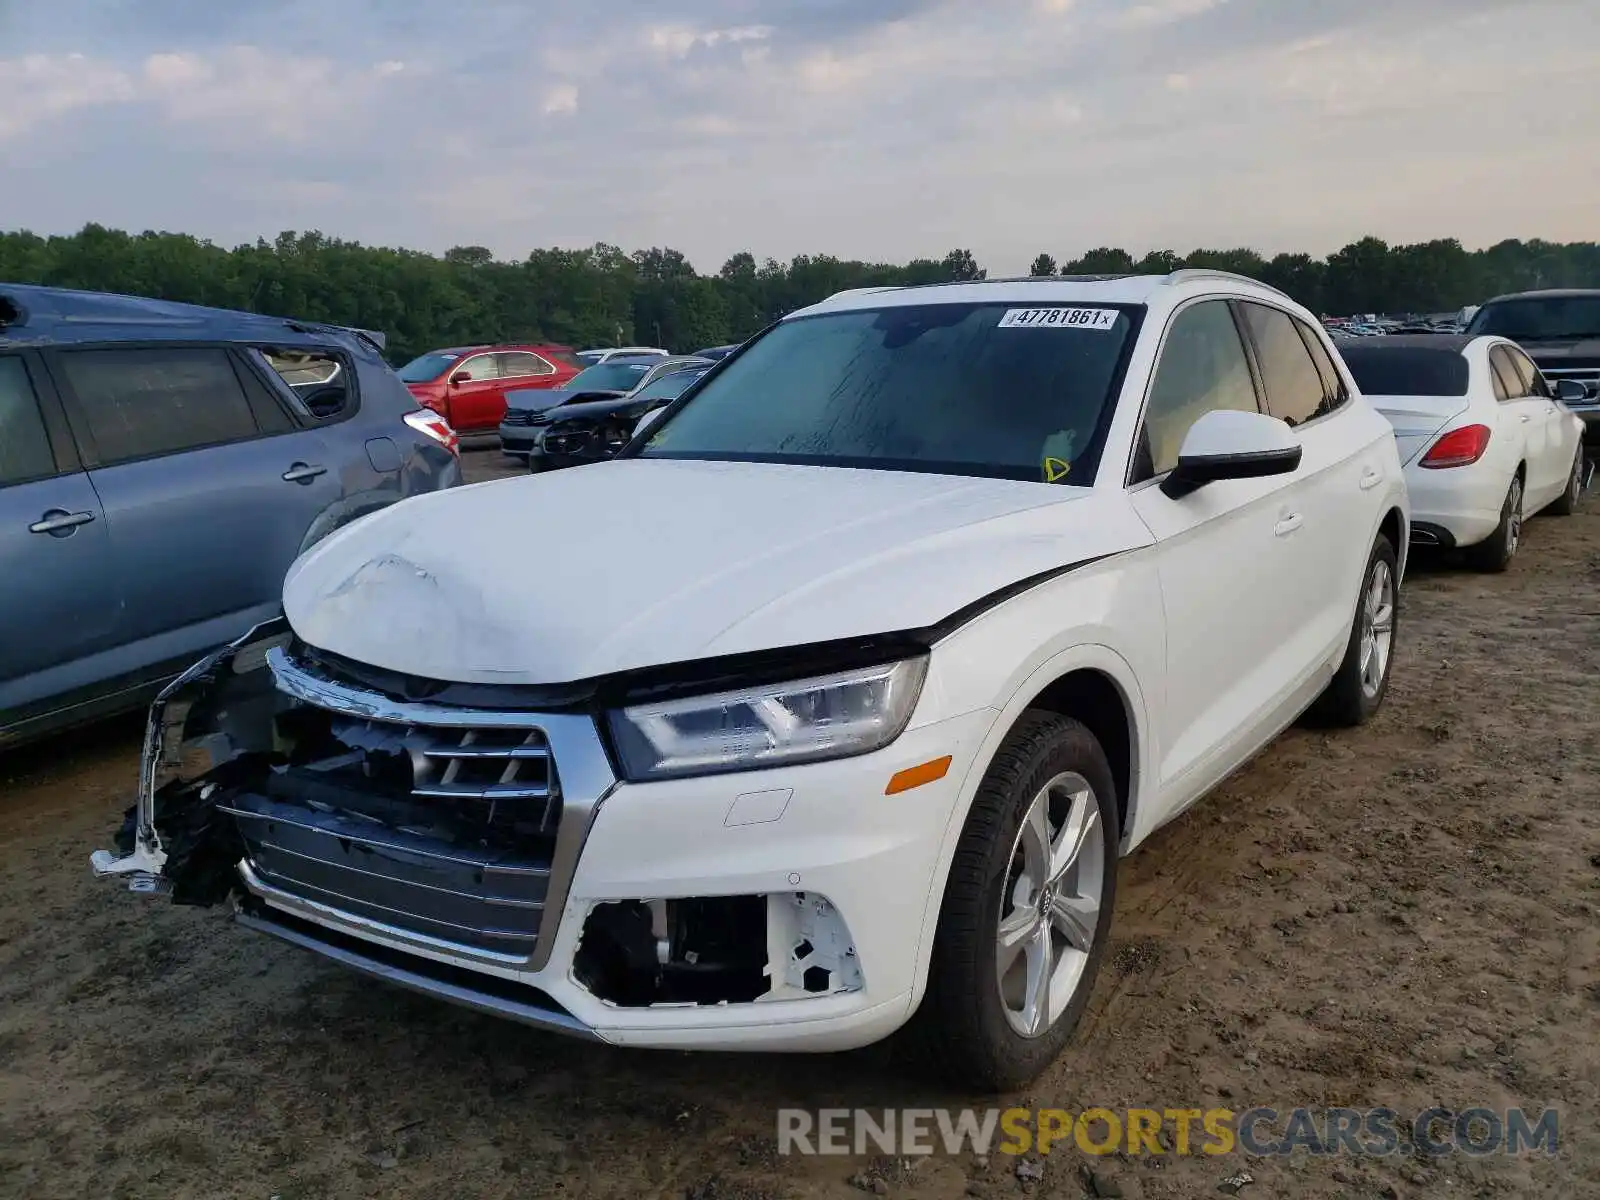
(1058,318)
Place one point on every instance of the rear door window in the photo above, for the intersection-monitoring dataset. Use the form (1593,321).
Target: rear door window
(1334,390)
(140,403)
(24,445)
(1295,390)
(519,365)
(1533,383)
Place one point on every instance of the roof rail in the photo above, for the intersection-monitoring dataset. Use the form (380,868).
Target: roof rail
(861,291)
(1192,274)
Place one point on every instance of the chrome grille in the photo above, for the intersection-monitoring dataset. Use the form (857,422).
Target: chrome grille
(517,416)
(437,821)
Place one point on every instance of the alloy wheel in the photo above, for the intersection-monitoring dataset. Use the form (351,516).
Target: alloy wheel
(1514,518)
(1377,628)
(1050,908)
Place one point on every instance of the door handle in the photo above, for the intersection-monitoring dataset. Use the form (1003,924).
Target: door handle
(60,521)
(303,473)
(1287,524)
(1526,418)
(1371,479)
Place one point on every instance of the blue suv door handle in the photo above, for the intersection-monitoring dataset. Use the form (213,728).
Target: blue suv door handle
(59,522)
(303,473)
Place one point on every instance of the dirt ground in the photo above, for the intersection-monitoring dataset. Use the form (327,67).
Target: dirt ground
(1404,916)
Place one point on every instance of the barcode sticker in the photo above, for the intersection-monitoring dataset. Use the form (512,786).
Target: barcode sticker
(1059,318)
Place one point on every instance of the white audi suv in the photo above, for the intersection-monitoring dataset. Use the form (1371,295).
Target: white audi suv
(833,703)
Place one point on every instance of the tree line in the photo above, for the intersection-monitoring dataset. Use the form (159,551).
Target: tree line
(605,296)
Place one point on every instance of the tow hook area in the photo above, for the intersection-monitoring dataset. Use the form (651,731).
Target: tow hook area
(716,950)
(211,728)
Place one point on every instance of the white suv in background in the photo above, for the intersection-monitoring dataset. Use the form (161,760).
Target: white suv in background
(894,634)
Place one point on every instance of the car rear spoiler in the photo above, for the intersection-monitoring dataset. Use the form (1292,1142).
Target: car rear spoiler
(378,339)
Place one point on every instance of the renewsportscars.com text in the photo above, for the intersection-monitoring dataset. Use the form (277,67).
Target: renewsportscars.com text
(1262,1132)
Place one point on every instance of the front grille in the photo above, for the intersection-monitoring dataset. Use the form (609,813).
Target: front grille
(443,825)
(517,416)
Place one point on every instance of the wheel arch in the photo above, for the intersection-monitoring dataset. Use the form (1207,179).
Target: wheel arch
(1092,681)
(1093,698)
(1395,527)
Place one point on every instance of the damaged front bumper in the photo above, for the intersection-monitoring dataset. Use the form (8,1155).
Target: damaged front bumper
(492,858)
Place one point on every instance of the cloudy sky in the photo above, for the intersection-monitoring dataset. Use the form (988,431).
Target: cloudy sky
(879,129)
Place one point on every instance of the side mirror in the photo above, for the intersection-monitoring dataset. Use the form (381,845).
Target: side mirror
(459,378)
(649,419)
(1571,391)
(1224,444)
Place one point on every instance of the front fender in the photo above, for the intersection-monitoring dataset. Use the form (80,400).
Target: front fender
(1120,638)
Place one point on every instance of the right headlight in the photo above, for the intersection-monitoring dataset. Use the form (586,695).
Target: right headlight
(830,716)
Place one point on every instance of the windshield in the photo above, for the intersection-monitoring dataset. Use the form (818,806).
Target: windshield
(426,367)
(669,386)
(614,376)
(1540,319)
(957,389)
(1405,370)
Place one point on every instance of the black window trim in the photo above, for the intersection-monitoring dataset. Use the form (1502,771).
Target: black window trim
(77,419)
(1140,435)
(1295,322)
(58,435)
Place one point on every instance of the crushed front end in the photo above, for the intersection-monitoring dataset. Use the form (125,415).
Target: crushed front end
(451,840)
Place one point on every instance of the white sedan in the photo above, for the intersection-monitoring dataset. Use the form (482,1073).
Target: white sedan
(908,621)
(1485,440)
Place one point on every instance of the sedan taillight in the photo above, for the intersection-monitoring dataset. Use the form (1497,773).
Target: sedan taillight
(1458,448)
(436,427)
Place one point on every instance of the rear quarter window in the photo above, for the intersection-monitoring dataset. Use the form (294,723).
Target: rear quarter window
(318,384)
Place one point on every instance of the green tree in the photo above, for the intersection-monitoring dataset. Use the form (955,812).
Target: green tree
(605,296)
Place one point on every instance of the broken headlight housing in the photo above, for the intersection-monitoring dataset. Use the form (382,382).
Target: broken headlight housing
(830,716)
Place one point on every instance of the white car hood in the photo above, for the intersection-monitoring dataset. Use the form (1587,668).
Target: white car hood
(574,574)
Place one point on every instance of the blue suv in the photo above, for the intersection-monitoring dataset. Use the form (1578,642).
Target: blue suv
(161,466)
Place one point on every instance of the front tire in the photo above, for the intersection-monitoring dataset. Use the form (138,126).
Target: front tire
(1358,687)
(1566,504)
(1027,908)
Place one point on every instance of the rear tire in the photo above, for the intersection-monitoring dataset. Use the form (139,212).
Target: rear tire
(1026,910)
(1495,552)
(1358,687)
(1566,504)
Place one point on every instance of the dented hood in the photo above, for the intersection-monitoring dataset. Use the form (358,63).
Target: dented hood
(574,574)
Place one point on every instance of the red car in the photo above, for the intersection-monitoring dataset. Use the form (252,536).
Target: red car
(467,385)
